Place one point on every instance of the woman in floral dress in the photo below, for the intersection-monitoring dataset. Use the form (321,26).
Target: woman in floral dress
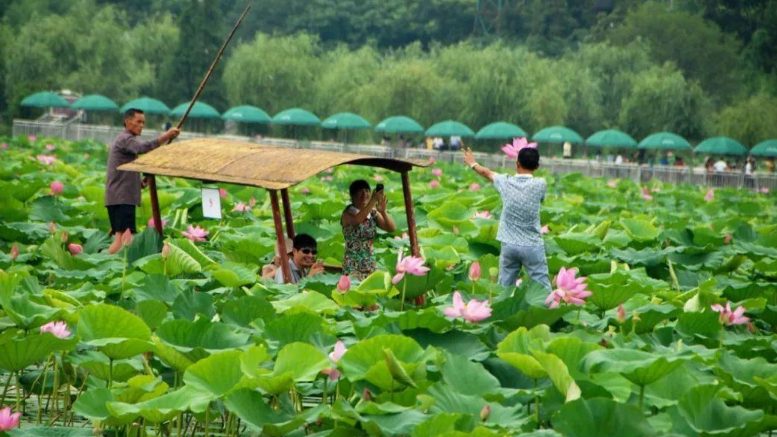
(360,219)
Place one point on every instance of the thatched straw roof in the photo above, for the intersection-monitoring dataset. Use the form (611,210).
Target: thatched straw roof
(244,163)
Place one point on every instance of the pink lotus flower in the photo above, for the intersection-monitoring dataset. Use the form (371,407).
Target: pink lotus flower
(570,289)
(334,357)
(57,187)
(165,250)
(727,240)
(32,138)
(74,248)
(728,317)
(52,227)
(434,184)
(330,178)
(512,150)
(710,196)
(764,190)
(196,233)
(518,282)
(47,159)
(222,193)
(151,224)
(473,311)
(306,190)
(403,237)
(612,183)
(376,178)
(126,239)
(483,214)
(14,252)
(437,172)
(621,314)
(59,329)
(344,284)
(8,421)
(330,170)
(474,271)
(646,194)
(241,207)
(50,147)
(544,229)
(4,146)
(474,187)
(252,202)
(412,265)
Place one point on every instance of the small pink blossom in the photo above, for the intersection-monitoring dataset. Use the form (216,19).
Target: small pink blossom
(241,207)
(252,202)
(437,172)
(728,317)
(377,178)
(32,138)
(474,187)
(334,357)
(151,223)
(47,159)
(52,227)
(14,252)
(612,183)
(512,150)
(51,147)
(474,271)
(571,289)
(74,248)
(165,250)
(411,265)
(621,314)
(330,170)
(329,179)
(483,215)
(403,237)
(4,146)
(473,311)
(222,193)
(710,196)
(344,284)
(434,184)
(8,421)
(646,194)
(764,190)
(727,240)
(196,233)
(544,229)
(518,282)
(305,190)
(59,329)
(57,187)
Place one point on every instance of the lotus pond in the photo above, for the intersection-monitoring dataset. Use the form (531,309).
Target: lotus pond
(676,338)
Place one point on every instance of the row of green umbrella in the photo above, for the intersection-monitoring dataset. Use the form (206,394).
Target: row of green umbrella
(406,125)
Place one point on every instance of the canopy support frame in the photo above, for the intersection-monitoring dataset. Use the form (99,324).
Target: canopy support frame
(283,251)
(410,214)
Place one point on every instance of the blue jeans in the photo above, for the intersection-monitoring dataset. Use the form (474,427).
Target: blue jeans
(532,258)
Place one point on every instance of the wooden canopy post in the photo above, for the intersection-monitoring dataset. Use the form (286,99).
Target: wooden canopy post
(276,216)
(287,213)
(155,205)
(410,214)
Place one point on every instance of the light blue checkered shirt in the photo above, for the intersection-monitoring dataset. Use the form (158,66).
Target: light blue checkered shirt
(521,195)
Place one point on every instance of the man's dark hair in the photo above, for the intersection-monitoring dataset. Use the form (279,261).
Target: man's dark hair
(529,158)
(302,241)
(130,113)
(357,186)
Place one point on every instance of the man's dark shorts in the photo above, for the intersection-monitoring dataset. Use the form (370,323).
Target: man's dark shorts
(122,218)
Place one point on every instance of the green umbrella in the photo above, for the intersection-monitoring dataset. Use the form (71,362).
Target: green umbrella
(296,116)
(557,134)
(45,99)
(721,146)
(664,140)
(147,105)
(346,120)
(449,128)
(765,148)
(199,110)
(95,102)
(611,137)
(399,124)
(499,131)
(246,114)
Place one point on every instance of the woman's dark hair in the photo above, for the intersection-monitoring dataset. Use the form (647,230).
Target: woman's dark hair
(357,186)
(529,158)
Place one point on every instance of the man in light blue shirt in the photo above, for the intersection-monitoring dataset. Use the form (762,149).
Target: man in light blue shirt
(519,223)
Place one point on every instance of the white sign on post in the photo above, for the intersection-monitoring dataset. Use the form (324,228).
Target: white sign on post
(211,203)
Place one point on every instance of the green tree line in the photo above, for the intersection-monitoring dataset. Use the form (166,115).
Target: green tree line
(695,67)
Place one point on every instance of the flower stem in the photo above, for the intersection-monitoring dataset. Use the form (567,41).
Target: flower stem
(404,289)
(641,396)
(537,403)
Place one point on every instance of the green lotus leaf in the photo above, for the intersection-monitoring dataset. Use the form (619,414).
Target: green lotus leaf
(152,312)
(246,309)
(393,424)
(308,300)
(93,405)
(601,418)
(291,328)
(701,413)
(743,374)
(18,353)
(449,401)
(163,408)
(576,243)
(704,324)
(254,411)
(157,288)
(252,358)
(144,244)
(53,431)
(186,336)
(467,377)
(304,362)
(450,214)
(115,331)
(179,261)
(235,275)
(99,366)
(216,374)
(454,341)
(360,357)
(170,356)
(190,304)
(572,351)
(641,368)
(639,230)
(440,240)
(273,384)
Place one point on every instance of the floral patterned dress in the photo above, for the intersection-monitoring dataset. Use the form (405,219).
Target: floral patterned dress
(359,258)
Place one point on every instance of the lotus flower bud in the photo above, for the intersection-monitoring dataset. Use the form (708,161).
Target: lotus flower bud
(493,272)
(57,187)
(474,271)
(52,227)
(14,252)
(366,395)
(165,250)
(621,315)
(344,284)
(485,413)
(75,249)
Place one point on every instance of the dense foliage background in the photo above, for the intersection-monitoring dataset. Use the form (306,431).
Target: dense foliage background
(695,67)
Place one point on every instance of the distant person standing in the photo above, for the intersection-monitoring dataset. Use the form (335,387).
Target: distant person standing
(455,142)
(122,188)
(567,150)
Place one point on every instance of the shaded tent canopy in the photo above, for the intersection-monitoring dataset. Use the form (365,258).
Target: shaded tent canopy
(611,137)
(246,114)
(499,131)
(244,163)
(399,124)
(45,99)
(765,148)
(450,128)
(346,120)
(721,146)
(95,102)
(199,110)
(664,140)
(557,134)
(147,105)
(296,116)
